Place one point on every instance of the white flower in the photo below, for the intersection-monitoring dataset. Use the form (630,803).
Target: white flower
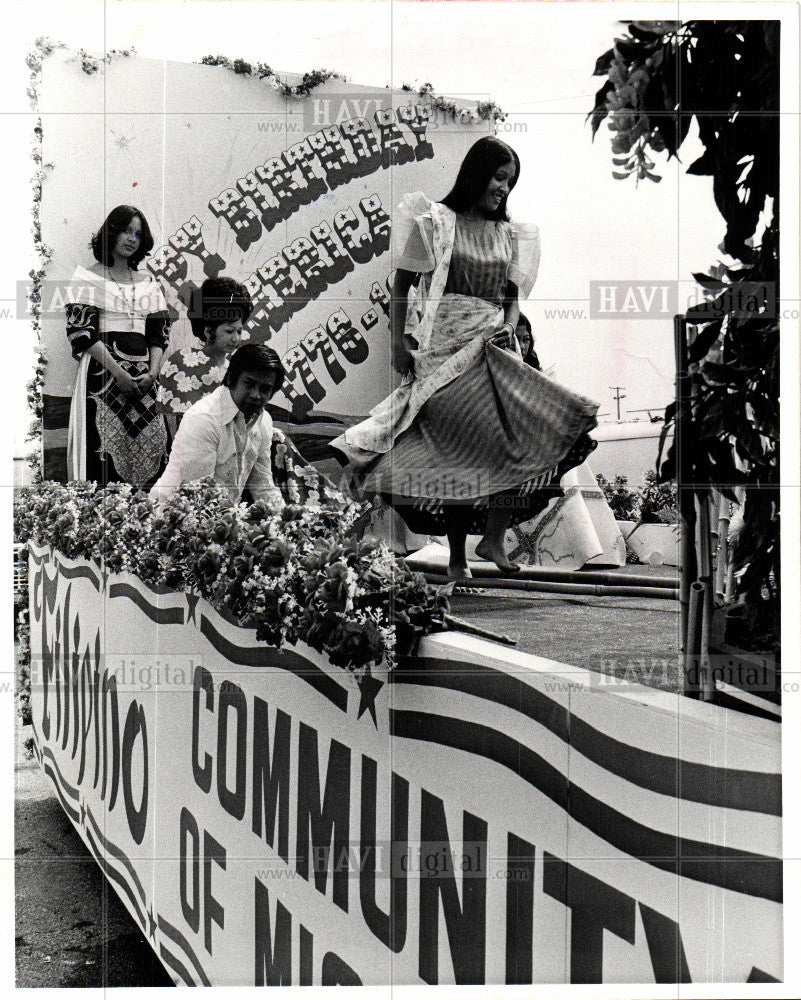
(191,358)
(186,383)
(167,369)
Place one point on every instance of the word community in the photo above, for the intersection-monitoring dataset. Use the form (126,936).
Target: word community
(255,765)
(452,875)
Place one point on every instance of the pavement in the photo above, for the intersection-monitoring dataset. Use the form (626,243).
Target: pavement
(71,928)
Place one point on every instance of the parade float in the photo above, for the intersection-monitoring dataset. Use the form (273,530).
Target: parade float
(287,766)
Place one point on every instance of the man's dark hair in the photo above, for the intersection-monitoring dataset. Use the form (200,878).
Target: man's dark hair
(254,358)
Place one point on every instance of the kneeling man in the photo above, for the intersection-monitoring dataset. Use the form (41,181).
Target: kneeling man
(227,434)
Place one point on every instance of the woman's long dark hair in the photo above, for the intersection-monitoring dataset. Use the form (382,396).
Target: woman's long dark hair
(104,241)
(482,160)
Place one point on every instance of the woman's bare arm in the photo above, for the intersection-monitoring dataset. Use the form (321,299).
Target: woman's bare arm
(401,359)
(511,309)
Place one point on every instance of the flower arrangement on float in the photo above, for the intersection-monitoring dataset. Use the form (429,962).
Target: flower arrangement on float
(297,574)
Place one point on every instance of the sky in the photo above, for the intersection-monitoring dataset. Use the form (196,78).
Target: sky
(535,61)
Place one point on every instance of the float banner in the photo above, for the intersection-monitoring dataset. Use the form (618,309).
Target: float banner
(291,195)
(477,816)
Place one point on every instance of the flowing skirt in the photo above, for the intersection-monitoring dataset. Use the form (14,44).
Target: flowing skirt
(476,429)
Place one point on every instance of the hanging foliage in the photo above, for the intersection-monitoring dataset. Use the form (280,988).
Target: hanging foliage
(724,75)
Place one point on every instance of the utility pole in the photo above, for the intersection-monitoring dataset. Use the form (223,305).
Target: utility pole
(618,396)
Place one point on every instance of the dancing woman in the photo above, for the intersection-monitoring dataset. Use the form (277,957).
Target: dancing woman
(473,440)
(117,328)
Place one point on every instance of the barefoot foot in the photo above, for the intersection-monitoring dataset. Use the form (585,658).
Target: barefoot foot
(495,554)
(459,572)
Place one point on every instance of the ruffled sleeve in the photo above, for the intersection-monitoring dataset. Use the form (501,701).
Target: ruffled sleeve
(525,261)
(86,298)
(82,327)
(413,234)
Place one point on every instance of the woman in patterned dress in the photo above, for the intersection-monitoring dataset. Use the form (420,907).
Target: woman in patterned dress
(117,328)
(473,440)
(220,309)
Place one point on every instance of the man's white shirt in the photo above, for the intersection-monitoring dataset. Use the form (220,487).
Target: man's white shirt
(215,440)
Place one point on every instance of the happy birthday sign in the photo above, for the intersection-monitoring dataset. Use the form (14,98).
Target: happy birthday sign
(291,196)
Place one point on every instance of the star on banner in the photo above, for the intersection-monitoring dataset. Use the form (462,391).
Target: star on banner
(123,141)
(368,689)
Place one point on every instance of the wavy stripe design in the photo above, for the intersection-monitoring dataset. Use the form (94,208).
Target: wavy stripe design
(176,965)
(68,809)
(284,659)
(111,873)
(178,938)
(118,854)
(161,616)
(67,787)
(83,572)
(751,791)
(726,867)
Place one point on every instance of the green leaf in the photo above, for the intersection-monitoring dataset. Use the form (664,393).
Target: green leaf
(600,110)
(704,166)
(619,176)
(707,281)
(603,63)
(704,341)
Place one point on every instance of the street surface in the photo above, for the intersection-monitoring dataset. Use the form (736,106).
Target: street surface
(71,929)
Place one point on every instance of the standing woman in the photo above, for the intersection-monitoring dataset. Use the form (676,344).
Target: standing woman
(117,328)
(473,440)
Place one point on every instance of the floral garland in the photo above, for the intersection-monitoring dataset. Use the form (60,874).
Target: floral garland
(35,387)
(22,638)
(484,110)
(43,47)
(261,71)
(297,574)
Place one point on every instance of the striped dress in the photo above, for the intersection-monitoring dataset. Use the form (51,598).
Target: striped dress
(476,428)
